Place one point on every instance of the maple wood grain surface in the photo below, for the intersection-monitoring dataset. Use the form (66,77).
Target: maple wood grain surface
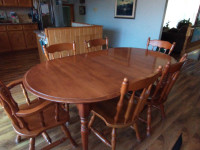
(91,77)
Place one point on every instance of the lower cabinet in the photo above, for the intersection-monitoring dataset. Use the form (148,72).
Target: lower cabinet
(30,39)
(4,42)
(17,40)
(17,37)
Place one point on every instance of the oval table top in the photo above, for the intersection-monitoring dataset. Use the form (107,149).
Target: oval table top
(91,77)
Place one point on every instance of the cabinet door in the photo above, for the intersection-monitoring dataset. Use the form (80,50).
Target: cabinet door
(17,40)
(25,3)
(1,3)
(4,42)
(10,2)
(30,38)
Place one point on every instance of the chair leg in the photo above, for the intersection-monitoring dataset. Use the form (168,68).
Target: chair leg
(135,126)
(67,133)
(46,137)
(91,121)
(18,139)
(162,111)
(113,141)
(148,120)
(32,144)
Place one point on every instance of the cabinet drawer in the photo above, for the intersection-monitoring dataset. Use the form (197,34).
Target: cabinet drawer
(14,27)
(30,27)
(2,28)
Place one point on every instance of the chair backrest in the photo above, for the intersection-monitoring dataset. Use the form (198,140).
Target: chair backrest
(9,105)
(133,110)
(167,80)
(161,44)
(52,49)
(96,43)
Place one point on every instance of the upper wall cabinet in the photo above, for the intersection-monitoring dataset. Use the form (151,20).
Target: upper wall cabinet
(25,3)
(16,3)
(1,3)
(10,2)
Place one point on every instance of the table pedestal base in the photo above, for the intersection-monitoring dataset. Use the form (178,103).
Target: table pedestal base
(84,111)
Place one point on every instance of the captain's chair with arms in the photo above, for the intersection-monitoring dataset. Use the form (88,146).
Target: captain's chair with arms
(35,117)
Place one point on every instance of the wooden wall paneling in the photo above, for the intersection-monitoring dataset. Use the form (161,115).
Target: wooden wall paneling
(40,51)
(4,42)
(70,34)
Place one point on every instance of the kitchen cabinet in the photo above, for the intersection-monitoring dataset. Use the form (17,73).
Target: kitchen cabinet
(17,37)
(17,40)
(10,2)
(1,3)
(30,39)
(25,3)
(4,42)
(30,36)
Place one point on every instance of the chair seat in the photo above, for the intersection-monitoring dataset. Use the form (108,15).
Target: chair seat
(34,121)
(107,110)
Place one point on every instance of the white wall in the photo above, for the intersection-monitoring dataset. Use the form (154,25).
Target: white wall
(125,32)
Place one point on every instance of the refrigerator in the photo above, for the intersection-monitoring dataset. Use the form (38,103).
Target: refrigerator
(52,13)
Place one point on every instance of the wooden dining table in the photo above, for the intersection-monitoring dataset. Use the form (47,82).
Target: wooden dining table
(90,78)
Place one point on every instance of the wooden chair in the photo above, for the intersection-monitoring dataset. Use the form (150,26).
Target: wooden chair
(35,117)
(52,49)
(161,44)
(123,112)
(161,90)
(95,43)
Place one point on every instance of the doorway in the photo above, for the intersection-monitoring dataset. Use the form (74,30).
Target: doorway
(179,16)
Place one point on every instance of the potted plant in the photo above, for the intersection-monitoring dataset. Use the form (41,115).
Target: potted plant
(183,22)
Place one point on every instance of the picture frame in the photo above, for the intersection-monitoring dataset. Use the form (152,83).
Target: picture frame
(125,9)
(82,10)
(82,1)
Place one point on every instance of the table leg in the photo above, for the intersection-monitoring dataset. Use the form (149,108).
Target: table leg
(84,111)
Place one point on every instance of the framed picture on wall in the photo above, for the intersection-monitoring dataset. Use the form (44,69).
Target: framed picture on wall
(125,8)
(82,1)
(82,10)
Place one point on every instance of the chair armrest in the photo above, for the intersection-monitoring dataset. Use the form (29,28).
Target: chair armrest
(14,83)
(39,108)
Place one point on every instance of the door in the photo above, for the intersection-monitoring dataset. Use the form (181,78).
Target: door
(17,40)
(25,3)
(71,11)
(10,2)
(30,38)
(4,42)
(66,16)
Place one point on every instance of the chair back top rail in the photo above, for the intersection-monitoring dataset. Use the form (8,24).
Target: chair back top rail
(96,42)
(161,44)
(52,49)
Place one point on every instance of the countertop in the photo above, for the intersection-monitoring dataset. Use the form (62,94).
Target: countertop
(16,23)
